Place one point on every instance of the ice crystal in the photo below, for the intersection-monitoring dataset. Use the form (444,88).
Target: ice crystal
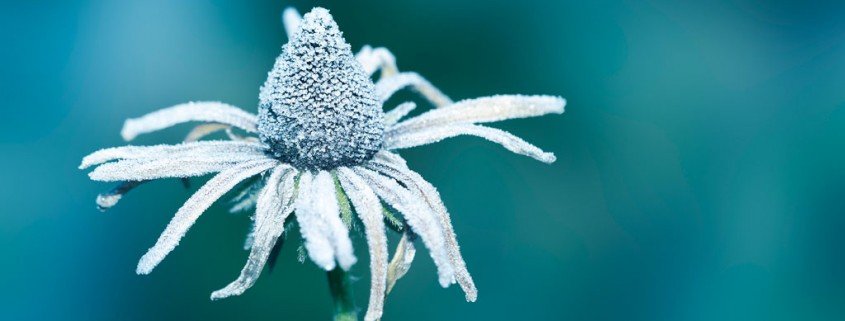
(318,109)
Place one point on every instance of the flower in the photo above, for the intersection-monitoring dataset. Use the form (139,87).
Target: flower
(322,146)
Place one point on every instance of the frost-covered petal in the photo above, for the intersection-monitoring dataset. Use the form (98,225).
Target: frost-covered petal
(195,206)
(215,112)
(483,110)
(414,182)
(436,134)
(387,86)
(401,261)
(169,151)
(371,59)
(109,199)
(369,208)
(147,169)
(395,114)
(272,209)
(318,214)
(291,19)
(418,216)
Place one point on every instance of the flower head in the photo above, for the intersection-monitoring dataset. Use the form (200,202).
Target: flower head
(324,153)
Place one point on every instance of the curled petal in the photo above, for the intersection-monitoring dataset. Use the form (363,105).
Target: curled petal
(195,206)
(387,86)
(369,208)
(371,59)
(395,114)
(401,261)
(109,199)
(194,111)
(272,209)
(483,110)
(429,194)
(418,216)
(436,134)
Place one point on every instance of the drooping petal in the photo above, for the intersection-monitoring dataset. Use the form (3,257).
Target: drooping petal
(401,261)
(429,194)
(394,115)
(418,216)
(387,86)
(318,214)
(436,134)
(291,19)
(195,206)
(194,111)
(164,151)
(273,207)
(483,110)
(143,169)
(316,238)
(109,199)
(369,208)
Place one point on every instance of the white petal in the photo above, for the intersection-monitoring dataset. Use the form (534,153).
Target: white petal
(371,59)
(395,114)
(194,111)
(387,86)
(194,207)
(418,216)
(436,134)
(291,19)
(143,169)
(318,214)
(273,207)
(161,151)
(316,238)
(401,261)
(369,208)
(484,110)
(429,194)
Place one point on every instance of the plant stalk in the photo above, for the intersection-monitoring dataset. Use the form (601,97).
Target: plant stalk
(340,287)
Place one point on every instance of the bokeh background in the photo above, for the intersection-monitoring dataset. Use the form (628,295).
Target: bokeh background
(699,175)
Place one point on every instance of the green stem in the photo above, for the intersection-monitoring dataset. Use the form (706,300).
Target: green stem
(341,288)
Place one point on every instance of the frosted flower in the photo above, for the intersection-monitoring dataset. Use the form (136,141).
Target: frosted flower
(322,148)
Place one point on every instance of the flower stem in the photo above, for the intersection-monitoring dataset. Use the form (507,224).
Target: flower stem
(341,289)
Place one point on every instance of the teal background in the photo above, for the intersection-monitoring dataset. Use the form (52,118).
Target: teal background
(699,174)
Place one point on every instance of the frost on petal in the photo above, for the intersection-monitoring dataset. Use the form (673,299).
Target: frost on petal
(387,86)
(419,217)
(246,198)
(369,208)
(395,114)
(273,207)
(318,215)
(142,169)
(483,110)
(429,194)
(194,111)
(195,206)
(164,151)
(371,59)
(401,261)
(109,199)
(436,134)
(291,19)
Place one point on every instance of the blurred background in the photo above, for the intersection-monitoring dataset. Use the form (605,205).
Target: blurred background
(699,175)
